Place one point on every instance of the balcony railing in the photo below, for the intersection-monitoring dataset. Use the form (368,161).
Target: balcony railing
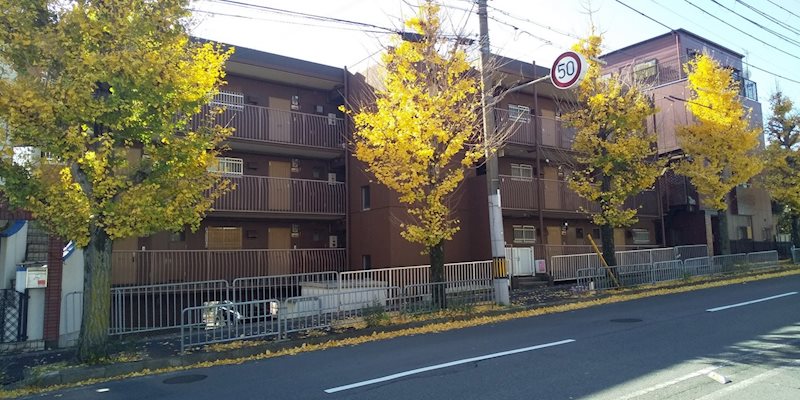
(521,194)
(151,267)
(280,126)
(283,195)
(552,132)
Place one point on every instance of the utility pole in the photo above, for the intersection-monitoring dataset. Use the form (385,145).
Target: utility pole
(501,281)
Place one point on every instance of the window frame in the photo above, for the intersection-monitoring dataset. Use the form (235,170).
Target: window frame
(519,113)
(527,233)
(518,168)
(366,198)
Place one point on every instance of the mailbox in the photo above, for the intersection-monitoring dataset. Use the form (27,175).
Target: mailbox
(31,277)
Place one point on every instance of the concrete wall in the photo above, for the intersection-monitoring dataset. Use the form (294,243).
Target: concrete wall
(12,252)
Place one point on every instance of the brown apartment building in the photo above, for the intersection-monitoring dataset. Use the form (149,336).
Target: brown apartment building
(657,62)
(303,203)
(287,160)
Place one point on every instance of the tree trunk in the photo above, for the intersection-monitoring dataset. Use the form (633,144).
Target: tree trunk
(606,230)
(93,342)
(795,231)
(437,275)
(607,238)
(724,235)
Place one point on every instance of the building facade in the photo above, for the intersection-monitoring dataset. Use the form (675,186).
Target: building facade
(658,63)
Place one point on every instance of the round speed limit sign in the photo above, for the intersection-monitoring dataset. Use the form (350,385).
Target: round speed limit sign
(568,70)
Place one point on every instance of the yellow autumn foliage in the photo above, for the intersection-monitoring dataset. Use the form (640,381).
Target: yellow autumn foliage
(420,135)
(721,147)
(783,154)
(615,152)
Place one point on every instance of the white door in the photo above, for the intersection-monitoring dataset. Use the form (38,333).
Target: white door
(520,261)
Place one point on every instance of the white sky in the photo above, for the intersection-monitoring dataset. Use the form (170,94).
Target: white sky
(340,45)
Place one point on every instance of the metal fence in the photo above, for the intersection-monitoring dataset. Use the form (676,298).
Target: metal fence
(157,307)
(152,267)
(427,297)
(225,321)
(146,308)
(565,267)
(796,255)
(600,278)
(13,311)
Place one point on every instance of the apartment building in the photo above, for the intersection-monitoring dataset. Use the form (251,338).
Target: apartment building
(658,63)
(286,159)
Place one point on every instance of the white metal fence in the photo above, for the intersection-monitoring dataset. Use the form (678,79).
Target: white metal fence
(600,278)
(146,308)
(225,321)
(565,267)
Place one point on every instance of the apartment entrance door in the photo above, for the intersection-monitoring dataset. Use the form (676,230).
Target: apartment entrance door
(279,192)
(548,127)
(280,120)
(552,189)
(279,258)
(279,238)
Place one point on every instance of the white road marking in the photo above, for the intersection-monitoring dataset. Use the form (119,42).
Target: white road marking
(743,384)
(750,302)
(103,390)
(445,365)
(668,383)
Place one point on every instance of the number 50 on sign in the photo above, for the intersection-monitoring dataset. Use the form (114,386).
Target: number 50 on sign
(568,70)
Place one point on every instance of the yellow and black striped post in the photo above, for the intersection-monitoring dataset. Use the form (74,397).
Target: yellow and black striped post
(499,267)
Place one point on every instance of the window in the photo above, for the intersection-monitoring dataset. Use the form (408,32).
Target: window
(366,261)
(366,201)
(691,54)
(229,100)
(640,236)
(524,234)
(177,236)
(745,232)
(596,233)
(316,172)
(223,238)
(522,171)
(578,233)
(228,166)
(645,70)
(518,113)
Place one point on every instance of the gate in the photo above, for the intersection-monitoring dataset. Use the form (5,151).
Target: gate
(520,260)
(13,309)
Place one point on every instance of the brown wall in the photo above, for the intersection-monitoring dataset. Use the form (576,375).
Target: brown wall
(258,165)
(257,92)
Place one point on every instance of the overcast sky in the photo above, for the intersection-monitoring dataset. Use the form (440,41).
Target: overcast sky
(523,29)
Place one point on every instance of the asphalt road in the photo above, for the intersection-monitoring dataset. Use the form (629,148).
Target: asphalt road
(657,348)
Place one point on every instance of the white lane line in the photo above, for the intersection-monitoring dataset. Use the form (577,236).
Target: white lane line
(668,383)
(445,365)
(722,393)
(750,302)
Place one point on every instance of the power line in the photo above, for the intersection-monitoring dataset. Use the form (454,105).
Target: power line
(250,17)
(304,15)
(776,34)
(743,62)
(549,28)
(780,23)
(734,27)
(782,8)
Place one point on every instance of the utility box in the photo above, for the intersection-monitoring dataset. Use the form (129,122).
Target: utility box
(31,278)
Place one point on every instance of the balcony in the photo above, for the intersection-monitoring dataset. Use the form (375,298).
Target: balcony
(521,194)
(268,125)
(552,132)
(150,267)
(263,194)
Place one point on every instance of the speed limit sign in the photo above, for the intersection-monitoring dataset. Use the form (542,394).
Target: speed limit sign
(568,70)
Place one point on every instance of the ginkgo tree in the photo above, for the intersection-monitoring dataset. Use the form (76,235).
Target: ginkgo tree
(782,176)
(421,133)
(106,90)
(616,155)
(721,147)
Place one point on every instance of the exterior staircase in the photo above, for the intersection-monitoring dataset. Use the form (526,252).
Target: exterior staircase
(37,245)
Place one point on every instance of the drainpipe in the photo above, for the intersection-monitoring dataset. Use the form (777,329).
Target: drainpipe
(348,243)
(536,131)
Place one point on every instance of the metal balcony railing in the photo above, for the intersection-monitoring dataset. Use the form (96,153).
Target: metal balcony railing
(279,126)
(521,194)
(283,195)
(552,132)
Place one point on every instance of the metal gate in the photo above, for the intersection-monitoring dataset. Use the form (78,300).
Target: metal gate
(13,309)
(520,261)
